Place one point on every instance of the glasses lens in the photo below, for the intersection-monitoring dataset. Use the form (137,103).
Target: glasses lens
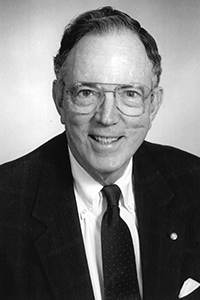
(84,97)
(130,99)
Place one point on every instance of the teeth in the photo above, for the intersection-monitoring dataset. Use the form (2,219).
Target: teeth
(104,140)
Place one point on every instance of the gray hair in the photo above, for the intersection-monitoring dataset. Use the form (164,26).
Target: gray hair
(100,21)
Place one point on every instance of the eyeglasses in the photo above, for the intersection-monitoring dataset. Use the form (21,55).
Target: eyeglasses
(129,98)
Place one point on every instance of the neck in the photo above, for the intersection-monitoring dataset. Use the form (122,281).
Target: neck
(103,178)
(106,178)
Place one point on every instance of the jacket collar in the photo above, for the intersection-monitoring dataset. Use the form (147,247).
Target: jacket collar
(60,247)
(148,176)
(153,197)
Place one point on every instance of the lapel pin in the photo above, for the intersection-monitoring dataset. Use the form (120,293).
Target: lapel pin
(173,236)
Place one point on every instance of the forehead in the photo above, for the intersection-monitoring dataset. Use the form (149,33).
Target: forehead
(114,57)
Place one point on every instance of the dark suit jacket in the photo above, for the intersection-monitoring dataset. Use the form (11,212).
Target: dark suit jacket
(41,248)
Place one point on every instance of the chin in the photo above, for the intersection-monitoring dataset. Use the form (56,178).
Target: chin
(109,167)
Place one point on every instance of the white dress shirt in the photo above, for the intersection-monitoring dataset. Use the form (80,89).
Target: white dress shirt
(91,207)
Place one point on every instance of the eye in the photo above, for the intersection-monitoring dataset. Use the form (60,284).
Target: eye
(130,93)
(84,93)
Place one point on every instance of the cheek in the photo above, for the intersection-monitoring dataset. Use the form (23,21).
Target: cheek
(137,125)
(76,126)
(137,130)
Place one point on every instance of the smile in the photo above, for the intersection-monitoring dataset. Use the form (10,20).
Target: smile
(104,140)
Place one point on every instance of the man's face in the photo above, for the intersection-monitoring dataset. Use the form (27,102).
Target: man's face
(104,140)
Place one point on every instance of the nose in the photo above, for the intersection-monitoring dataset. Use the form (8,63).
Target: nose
(107,112)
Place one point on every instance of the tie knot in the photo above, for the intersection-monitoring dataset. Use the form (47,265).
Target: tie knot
(112,193)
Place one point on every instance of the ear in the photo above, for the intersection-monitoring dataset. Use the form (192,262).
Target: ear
(57,93)
(156,101)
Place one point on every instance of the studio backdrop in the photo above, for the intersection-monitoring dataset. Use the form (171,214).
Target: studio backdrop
(30,33)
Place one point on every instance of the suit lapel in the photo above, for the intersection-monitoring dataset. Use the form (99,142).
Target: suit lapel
(61,246)
(153,197)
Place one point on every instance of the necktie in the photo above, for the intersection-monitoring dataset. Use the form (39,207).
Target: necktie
(120,276)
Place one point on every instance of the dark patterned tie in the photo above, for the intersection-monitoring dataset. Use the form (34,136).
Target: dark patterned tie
(120,276)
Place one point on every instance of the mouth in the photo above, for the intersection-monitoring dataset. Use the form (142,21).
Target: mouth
(105,140)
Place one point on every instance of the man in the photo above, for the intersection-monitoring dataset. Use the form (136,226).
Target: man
(107,94)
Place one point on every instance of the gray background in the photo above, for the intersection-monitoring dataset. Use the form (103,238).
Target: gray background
(30,32)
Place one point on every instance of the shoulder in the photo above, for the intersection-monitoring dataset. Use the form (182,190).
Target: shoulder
(20,179)
(50,148)
(26,169)
(158,152)
(171,160)
(159,165)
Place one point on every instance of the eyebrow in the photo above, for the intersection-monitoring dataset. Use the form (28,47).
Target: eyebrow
(125,85)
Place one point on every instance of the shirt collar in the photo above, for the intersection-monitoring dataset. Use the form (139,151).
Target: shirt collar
(126,186)
(90,188)
(86,186)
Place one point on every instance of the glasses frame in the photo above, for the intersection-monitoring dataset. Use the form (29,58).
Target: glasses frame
(103,92)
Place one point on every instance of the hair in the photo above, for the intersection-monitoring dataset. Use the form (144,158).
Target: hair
(101,21)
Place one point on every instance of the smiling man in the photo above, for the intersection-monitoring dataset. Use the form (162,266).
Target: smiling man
(105,134)
(97,213)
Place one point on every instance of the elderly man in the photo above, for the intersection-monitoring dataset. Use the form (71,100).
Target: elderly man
(97,212)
